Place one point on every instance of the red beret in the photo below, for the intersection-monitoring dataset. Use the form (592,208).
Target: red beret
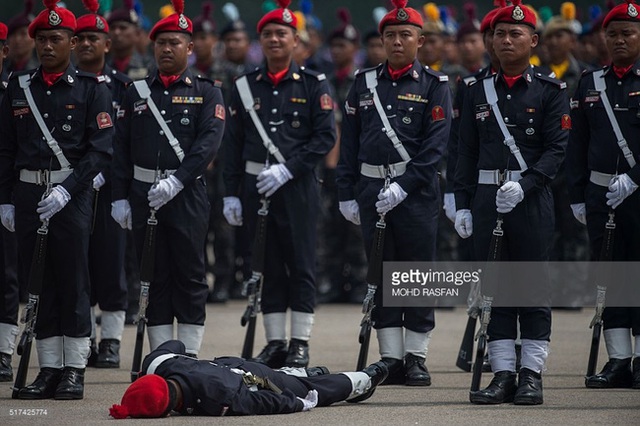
(622,12)
(204,22)
(486,21)
(52,18)
(3,32)
(281,15)
(92,21)
(23,19)
(175,23)
(516,14)
(401,15)
(146,397)
(345,30)
(125,14)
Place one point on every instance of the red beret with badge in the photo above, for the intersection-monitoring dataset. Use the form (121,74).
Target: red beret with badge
(149,396)
(53,18)
(126,13)
(485,25)
(401,15)
(4,30)
(281,15)
(515,14)
(92,22)
(175,23)
(627,11)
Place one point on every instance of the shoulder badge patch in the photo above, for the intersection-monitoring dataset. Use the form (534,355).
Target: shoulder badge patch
(220,113)
(104,120)
(326,103)
(565,122)
(437,113)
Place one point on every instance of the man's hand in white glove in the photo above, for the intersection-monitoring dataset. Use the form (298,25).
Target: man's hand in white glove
(350,210)
(508,196)
(8,216)
(390,198)
(580,212)
(99,181)
(121,213)
(310,401)
(164,191)
(450,206)
(270,180)
(232,210)
(619,189)
(51,205)
(464,223)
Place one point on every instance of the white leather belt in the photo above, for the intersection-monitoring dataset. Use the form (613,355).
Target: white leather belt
(253,168)
(149,176)
(39,177)
(601,179)
(159,360)
(497,177)
(380,172)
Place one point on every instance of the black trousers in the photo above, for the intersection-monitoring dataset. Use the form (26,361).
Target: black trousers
(410,235)
(290,258)
(626,245)
(64,307)
(106,256)
(179,288)
(528,230)
(9,287)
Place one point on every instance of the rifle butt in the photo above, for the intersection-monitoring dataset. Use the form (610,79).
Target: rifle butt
(249,337)
(477,366)
(137,352)
(595,348)
(465,354)
(23,367)
(364,338)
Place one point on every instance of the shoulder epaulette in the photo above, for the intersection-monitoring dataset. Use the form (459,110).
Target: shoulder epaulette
(320,76)
(365,70)
(437,74)
(92,76)
(15,74)
(123,78)
(561,84)
(470,79)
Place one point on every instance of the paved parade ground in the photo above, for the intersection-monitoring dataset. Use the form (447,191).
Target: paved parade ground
(334,344)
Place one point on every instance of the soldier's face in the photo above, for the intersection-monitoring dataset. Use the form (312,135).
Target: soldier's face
(487,38)
(471,48)
(513,42)
(342,51)
(560,44)
(401,42)
(91,47)
(432,49)
(54,49)
(172,51)
(623,42)
(123,34)
(278,41)
(236,46)
(375,50)
(20,44)
(203,44)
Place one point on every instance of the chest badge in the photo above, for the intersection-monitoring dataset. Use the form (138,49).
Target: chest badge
(406,120)
(530,131)
(66,127)
(185,121)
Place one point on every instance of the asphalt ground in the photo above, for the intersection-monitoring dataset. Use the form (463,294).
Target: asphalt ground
(334,344)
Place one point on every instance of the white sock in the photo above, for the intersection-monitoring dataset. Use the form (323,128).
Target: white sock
(391,342)
(618,342)
(301,325)
(158,334)
(534,354)
(275,326)
(416,343)
(76,351)
(112,325)
(502,355)
(191,335)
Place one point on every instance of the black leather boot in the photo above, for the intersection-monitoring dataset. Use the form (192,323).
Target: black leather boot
(298,354)
(636,373)
(396,372)
(44,387)
(501,389)
(6,372)
(416,372)
(378,373)
(109,354)
(273,355)
(71,384)
(529,388)
(615,374)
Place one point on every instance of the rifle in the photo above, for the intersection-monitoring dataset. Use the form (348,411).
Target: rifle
(374,279)
(147,266)
(252,288)
(606,253)
(30,312)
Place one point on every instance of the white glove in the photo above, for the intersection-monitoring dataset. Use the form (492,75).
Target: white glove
(619,189)
(98,181)
(8,216)
(579,212)
(350,210)
(390,198)
(508,196)
(450,206)
(272,179)
(164,191)
(310,401)
(232,210)
(54,202)
(121,213)
(464,223)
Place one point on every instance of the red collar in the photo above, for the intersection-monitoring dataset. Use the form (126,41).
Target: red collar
(511,80)
(121,64)
(50,78)
(621,71)
(343,73)
(277,77)
(168,80)
(396,74)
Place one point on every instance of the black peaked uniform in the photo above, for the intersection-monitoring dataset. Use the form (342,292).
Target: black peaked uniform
(211,388)
(593,147)
(536,112)
(298,116)
(74,107)
(418,105)
(194,111)
(108,239)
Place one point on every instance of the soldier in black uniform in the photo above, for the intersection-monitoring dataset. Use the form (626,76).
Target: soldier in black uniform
(295,109)
(415,101)
(73,107)
(163,145)
(603,177)
(124,25)
(232,386)
(107,244)
(22,54)
(535,111)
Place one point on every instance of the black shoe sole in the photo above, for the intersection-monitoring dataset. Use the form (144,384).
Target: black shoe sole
(605,385)
(68,396)
(418,382)
(31,397)
(527,401)
(481,399)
